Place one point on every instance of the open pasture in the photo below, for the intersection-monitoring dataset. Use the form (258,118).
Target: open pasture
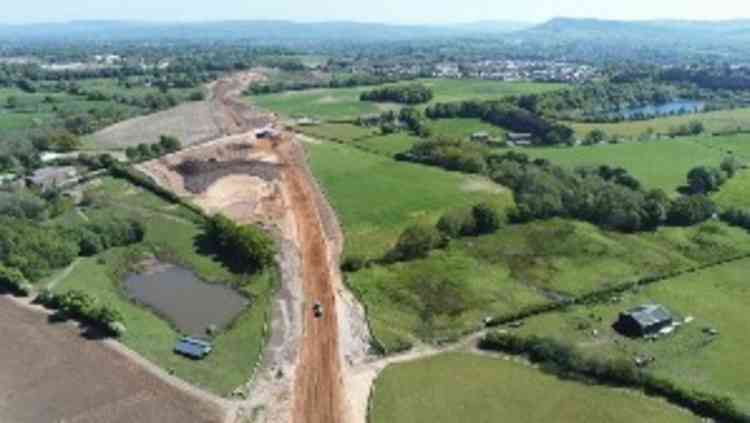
(720,121)
(459,387)
(657,164)
(521,266)
(344,104)
(716,298)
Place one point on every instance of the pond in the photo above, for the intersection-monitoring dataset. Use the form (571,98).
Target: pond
(677,107)
(189,303)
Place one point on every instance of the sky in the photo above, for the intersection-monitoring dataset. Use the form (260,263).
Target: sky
(389,11)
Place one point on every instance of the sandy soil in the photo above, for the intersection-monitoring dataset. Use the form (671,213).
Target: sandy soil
(52,374)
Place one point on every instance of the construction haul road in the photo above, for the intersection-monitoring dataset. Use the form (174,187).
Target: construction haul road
(268,182)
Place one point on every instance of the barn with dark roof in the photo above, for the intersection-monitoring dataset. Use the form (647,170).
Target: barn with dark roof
(644,320)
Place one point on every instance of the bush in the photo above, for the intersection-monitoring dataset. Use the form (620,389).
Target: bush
(85,307)
(416,242)
(457,223)
(689,210)
(487,219)
(353,264)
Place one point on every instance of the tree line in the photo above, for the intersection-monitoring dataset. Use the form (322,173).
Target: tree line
(403,94)
(607,197)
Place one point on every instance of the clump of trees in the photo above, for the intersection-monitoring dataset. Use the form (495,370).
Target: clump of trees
(102,234)
(403,94)
(390,122)
(505,114)
(605,196)
(415,242)
(482,219)
(244,247)
(85,307)
(167,144)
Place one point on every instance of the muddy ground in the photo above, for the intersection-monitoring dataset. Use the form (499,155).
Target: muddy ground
(51,373)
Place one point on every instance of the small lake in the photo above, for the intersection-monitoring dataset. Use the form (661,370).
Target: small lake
(189,303)
(677,107)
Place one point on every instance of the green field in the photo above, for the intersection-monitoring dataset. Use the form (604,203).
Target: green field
(338,132)
(734,193)
(717,298)
(377,197)
(657,164)
(461,387)
(450,292)
(721,121)
(344,103)
(388,145)
(171,236)
(463,128)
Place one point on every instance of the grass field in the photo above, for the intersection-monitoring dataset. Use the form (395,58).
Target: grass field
(717,298)
(338,132)
(725,120)
(388,145)
(344,103)
(462,387)
(463,128)
(171,236)
(657,164)
(377,197)
(734,193)
(451,291)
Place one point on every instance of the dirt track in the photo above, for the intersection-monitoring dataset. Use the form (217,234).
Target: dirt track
(51,374)
(268,182)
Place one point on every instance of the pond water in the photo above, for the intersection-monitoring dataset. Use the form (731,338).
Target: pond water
(189,303)
(677,107)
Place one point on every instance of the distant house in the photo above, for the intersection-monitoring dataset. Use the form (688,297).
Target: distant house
(48,178)
(480,136)
(193,348)
(644,320)
(307,121)
(518,138)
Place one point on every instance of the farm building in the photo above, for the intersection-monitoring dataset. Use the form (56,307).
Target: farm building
(517,138)
(644,320)
(193,348)
(480,136)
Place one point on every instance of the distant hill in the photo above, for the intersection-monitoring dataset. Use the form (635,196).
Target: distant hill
(262,30)
(651,32)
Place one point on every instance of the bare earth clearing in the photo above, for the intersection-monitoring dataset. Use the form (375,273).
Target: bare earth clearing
(192,123)
(267,182)
(52,374)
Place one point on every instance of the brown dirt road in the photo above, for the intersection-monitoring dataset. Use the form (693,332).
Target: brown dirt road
(319,387)
(233,182)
